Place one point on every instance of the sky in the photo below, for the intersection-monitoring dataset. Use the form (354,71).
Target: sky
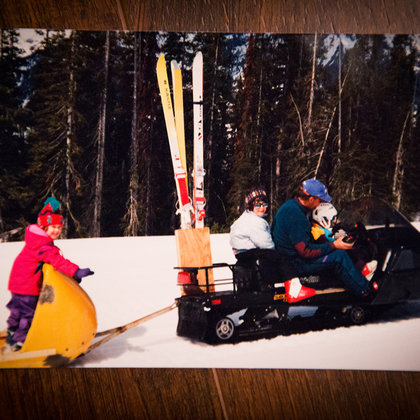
(29,39)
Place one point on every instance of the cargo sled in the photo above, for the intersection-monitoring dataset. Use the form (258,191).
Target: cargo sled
(63,327)
(247,302)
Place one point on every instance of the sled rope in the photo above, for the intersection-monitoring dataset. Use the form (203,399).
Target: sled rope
(113,332)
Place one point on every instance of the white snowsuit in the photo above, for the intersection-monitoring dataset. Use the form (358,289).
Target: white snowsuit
(250,231)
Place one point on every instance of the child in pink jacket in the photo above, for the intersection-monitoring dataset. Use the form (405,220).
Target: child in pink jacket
(25,281)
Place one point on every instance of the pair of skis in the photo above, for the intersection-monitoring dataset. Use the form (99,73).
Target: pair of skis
(192,215)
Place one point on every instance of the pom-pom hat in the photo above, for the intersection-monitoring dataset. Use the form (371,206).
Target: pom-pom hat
(316,188)
(49,215)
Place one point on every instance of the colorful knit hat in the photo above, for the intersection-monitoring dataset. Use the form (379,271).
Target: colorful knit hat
(253,195)
(49,215)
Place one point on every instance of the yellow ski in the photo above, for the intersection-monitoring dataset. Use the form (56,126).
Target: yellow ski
(185,208)
(179,112)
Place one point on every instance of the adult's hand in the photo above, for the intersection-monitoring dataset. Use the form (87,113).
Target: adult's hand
(340,244)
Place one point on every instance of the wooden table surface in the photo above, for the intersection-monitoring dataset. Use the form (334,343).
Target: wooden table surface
(211,393)
(298,16)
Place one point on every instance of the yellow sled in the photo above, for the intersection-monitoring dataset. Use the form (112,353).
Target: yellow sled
(63,327)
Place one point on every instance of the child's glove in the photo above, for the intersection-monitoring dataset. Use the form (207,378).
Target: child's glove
(82,272)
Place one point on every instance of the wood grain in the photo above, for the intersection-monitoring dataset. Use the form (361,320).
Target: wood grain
(218,393)
(108,394)
(193,250)
(298,16)
(193,394)
(315,394)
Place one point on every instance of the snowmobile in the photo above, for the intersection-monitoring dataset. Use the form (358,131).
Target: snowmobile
(251,302)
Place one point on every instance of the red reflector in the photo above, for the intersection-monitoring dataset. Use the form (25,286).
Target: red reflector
(216,301)
(183,278)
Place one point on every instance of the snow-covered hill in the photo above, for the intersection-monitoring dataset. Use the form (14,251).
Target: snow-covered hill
(135,276)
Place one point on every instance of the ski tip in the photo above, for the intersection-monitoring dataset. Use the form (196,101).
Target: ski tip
(161,59)
(175,65)
(198,61)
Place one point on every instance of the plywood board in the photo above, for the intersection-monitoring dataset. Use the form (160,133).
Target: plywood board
(193,250)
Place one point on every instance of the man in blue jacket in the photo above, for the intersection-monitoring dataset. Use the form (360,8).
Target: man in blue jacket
(291,230)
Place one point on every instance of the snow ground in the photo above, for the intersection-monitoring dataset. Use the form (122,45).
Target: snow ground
(135,276)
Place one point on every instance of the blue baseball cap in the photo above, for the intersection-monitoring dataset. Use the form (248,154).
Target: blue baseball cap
(318,189)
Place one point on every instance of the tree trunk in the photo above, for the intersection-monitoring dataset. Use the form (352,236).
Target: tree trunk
(260,126)
(399,169)
(275,176)
(311,95)
(69,136)
(212,108)
(328,131)
(149,212)
(302,139)
(133,224)
(339,99)
(96,227)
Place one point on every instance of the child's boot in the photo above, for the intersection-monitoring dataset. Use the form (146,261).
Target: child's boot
(10,334)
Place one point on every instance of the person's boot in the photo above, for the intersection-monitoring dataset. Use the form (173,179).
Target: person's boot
(295,291)
(372,290)
(369,269)
(10,334)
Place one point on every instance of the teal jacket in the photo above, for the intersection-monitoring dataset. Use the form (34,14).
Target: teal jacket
(291,231)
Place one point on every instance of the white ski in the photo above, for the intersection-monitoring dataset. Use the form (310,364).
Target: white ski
(199,172)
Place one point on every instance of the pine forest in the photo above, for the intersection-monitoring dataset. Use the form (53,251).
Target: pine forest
(81,120)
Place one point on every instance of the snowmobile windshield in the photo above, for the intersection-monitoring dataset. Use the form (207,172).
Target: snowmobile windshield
(374,213)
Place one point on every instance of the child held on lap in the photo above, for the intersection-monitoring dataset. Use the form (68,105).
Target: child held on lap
(25,281)
(323,218)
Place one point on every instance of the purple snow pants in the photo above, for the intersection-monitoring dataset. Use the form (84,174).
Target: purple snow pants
(22,309)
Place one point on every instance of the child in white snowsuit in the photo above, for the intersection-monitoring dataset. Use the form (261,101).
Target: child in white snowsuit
(25,281)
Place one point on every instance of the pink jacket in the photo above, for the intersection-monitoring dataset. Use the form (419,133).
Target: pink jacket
(38,247)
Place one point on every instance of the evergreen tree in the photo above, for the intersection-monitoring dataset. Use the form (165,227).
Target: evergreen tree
(13,150)
(276,111)
(246,170)
(218,140)
(51,135)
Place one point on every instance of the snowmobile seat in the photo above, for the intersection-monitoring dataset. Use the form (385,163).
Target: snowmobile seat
(245,276)
(254,273)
